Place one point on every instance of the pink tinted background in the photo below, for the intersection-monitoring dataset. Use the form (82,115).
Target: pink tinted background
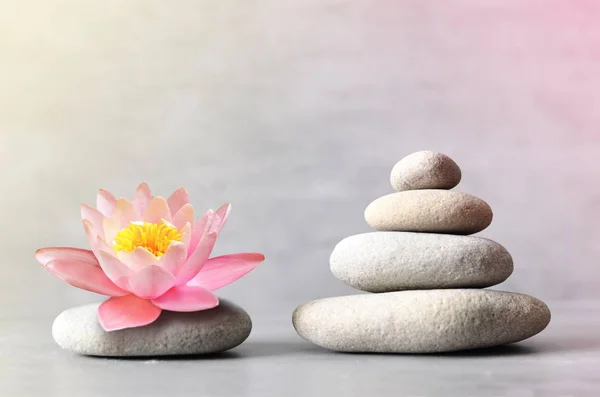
(295,112)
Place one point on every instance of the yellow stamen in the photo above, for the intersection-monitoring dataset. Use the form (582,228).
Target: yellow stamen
(156,238)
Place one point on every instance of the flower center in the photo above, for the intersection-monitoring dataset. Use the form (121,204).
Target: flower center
(156,238)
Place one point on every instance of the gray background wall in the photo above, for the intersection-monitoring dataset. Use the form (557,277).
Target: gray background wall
(295,111)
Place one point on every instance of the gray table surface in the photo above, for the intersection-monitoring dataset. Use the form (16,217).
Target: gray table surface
(564,360)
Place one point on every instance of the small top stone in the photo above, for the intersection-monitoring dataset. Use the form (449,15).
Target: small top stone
(425,170)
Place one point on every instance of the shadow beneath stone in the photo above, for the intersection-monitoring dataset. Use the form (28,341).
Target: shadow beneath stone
(538,346)
(263,348)
(504,350)
(565,345)
(184,357)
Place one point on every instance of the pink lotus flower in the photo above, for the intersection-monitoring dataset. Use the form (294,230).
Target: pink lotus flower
(148,255)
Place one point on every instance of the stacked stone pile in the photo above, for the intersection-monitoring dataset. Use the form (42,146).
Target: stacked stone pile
(426,271)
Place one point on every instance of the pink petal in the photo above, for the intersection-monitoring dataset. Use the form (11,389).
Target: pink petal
(85,276)
(157,210)
(221,217)
(45,255)
(151,282)
(187,299)
(174,258)
(101,245)
(142,198)
(195,262)
(200,229)
(94,217)
(106,202)
(223,270)
(125,213)
(183,216)
(111,227)
(186,235)
(138,259)
(114,269)
(178,199)
(92,237)
(96,243)
(127,311)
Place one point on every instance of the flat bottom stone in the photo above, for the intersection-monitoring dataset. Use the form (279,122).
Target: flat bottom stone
(173,333)
(426,321)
